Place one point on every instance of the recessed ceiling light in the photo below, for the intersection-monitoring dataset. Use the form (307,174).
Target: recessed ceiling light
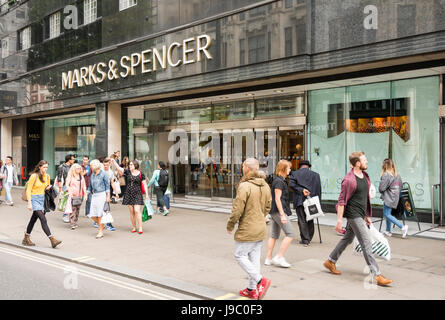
(179,102)
(224,98)
(278,91)
(250,94)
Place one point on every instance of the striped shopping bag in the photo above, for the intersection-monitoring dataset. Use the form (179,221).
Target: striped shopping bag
(380,245)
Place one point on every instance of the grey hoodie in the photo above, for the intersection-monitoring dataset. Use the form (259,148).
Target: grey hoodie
(390,188)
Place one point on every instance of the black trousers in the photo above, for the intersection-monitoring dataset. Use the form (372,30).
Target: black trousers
(306,227)
(38,215)
(159,192)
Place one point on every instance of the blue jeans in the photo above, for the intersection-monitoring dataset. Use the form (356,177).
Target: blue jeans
(8,187)
(88,204)
(390,218)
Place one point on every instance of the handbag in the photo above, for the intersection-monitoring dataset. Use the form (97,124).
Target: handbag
(117,186)
(312,208)
(107,217)
(77,201)
(380,245)
(142,184)
(148,211)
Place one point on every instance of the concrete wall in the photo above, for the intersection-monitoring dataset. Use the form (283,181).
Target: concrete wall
(6,138)
(114,128)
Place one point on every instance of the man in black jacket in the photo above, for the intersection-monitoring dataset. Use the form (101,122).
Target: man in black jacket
(305,182)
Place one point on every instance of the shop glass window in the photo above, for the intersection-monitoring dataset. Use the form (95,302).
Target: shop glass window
(73,135)
(367,125)
(415,139)
(54,25)
(326,138)
(90,11)
(201,114)
(233,110)
(279,107)
(25,38)
(153,118)
(125,4)
(396,120)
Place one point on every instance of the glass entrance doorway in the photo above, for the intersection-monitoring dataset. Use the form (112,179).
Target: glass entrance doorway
(218,170)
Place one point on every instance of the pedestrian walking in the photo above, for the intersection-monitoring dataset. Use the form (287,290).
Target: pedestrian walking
(134,197)
(125,165)
(62,173)
(2,190)
(9,178)
(100,189)
(39,181)
(279,214)
(160,180)
(354,204)
(304,183)
(109,172)
(250,207)
(389,188)
(86,173)
(76,186)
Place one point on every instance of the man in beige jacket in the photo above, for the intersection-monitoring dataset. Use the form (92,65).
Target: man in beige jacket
(250,208)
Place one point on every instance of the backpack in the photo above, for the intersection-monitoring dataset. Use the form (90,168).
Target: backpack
(163,178)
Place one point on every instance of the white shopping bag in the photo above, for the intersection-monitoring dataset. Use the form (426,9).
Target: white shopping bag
(380,245)
(312,208)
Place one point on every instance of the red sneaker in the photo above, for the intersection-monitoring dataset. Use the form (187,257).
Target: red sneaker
(262,288)
(249,294)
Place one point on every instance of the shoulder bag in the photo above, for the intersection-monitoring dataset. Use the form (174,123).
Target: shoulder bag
(77,201)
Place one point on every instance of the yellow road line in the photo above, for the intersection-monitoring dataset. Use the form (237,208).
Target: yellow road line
(226,296)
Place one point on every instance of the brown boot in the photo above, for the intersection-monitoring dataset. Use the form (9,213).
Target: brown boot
(27,241)
(382,281)
(54,242)
(331,267)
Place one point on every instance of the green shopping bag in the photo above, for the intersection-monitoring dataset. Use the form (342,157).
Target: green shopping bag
(62,201)
(147,213)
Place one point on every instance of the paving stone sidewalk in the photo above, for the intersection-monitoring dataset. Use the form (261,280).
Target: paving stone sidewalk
(193,246)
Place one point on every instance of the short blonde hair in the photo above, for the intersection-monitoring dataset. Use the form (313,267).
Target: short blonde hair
(282,166)
(95,164)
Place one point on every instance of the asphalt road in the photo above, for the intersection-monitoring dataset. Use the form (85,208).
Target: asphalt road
(29,276)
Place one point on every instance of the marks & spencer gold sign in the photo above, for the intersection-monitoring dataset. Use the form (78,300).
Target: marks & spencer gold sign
(193,50)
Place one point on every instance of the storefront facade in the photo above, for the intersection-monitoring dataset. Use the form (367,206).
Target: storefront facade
(289,79)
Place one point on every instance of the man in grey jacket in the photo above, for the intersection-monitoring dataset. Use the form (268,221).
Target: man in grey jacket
(8,174)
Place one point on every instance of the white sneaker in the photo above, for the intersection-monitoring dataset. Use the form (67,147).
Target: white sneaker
(405,231)
(388,234)
(66,218)
(280,262)
(268,262)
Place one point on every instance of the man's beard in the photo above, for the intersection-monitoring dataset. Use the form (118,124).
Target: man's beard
(363,168)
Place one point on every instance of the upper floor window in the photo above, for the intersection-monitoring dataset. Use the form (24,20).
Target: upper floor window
(5,47)
(3,5)
(54,25)
(89,11)
(25,38)
(125,4)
